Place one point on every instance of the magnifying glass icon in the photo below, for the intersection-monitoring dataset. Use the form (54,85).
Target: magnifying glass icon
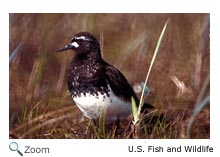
(13,146)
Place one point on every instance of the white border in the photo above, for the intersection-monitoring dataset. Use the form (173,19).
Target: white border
(109,6)
(108,147)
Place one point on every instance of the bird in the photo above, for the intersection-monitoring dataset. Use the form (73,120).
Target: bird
(96,86)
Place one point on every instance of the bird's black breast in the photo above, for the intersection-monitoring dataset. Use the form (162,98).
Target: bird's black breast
(87,78)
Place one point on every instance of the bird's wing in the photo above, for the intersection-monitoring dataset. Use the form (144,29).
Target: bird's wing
(120,85)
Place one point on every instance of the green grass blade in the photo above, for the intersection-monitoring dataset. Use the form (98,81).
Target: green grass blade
(151,65)
(134,110)
(101,129)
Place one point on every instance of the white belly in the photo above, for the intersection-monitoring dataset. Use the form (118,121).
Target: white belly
(93,106)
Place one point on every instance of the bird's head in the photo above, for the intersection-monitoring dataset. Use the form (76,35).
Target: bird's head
(83,43)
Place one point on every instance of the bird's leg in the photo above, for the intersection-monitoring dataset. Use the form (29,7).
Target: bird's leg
(115,126)
(117,122)
(94,122)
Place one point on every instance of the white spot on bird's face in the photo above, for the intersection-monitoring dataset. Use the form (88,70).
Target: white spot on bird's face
(81,37)
(75,44)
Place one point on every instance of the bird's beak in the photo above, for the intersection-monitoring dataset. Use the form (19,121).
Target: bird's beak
(72,46)
(67,47)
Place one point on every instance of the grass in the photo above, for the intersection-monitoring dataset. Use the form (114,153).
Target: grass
(41,107)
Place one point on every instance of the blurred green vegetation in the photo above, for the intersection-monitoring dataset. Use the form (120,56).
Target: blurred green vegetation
(40,105)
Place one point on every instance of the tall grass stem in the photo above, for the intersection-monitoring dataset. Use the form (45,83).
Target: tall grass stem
(151,65)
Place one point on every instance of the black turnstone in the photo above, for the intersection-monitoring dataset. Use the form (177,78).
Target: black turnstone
(95,85)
